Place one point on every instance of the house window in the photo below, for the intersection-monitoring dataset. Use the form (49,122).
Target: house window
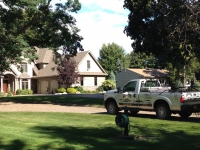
(88,64)
(24,67)
(95,81)
(24,84)
(81,81)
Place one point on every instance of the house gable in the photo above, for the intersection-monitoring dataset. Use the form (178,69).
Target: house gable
(93,65)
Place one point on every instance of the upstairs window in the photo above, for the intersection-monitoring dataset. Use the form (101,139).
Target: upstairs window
(24,67)
(88,65)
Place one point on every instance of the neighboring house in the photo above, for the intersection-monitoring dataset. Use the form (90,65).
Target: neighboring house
(129,74)
(41,76)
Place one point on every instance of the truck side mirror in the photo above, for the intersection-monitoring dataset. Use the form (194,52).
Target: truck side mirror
(119,89)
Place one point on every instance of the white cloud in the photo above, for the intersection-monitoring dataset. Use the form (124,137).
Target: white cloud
(102,22)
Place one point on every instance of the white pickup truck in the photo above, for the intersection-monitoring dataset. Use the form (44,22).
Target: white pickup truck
(148,95)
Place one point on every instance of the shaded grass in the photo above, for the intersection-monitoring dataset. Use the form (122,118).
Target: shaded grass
(57,100)
(27,130)
(61,131)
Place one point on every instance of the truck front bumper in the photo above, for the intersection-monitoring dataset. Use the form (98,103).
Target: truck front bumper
(191,108)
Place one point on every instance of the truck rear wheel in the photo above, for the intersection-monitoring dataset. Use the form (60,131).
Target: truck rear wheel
(112,108)
(163,111)
(185,114)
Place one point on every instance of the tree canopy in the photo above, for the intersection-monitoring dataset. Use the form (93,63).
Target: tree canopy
(110,54)
(141,60)
(169,29)
(28,23)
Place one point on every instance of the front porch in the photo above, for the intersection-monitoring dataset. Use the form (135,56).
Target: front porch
(10,83)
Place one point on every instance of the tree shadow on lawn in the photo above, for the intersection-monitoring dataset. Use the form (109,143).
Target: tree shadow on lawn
(56,100)
(14,145)
(72,138)
(194,118)
(110,138)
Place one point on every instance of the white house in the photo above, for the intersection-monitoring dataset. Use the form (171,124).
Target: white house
(41,76)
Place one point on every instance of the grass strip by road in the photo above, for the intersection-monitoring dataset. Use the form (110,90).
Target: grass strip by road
(59,131)
(57,100)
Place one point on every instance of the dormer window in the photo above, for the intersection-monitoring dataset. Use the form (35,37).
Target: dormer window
(24,67)
(88,65)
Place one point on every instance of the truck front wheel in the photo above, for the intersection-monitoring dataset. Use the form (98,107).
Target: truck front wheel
(163,111)
(185,114)
(112,108)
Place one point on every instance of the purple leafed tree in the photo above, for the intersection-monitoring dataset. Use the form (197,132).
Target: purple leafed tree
(67,74)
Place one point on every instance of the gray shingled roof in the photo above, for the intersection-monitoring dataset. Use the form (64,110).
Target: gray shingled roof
(79,56)
(46,56)
(24,75)
(151,72)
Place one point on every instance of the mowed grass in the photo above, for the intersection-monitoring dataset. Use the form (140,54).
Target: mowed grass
(73,131)
(55,99)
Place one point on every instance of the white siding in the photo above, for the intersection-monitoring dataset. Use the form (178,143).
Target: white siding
(88,81)
(100,80)
(93,66)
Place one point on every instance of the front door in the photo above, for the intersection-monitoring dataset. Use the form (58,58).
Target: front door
(5,86)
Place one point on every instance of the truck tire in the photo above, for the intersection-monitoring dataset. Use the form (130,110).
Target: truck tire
(163,111)
(112,108)
(185,114)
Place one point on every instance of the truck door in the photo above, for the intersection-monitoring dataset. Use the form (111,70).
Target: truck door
(128,96)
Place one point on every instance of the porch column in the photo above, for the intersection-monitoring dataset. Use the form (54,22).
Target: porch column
(16,84)
(20,83)
(1,83)
(29,84)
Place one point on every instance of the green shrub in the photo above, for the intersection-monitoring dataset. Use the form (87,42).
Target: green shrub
(71,90)
(30,92)
(19,92)
(61,90)
(1,94)
(79,88)
(9,94)
(108,85)
(100,89)
(24,92)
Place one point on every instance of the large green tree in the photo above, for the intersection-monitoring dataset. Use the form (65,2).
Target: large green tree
(141,60)
(28,23)
(169,29)
(110,54)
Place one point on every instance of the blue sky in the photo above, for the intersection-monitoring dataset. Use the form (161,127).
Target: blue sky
(102,22)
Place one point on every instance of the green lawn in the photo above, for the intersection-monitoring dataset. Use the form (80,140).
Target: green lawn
(57,100)
(72,131)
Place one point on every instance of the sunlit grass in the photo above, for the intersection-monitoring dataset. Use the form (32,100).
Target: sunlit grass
(29,130)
